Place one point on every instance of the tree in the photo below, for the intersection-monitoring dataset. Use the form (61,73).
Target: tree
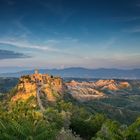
(133,131)
(87,128)
(110,130)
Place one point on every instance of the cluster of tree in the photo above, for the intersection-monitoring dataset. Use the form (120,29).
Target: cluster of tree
(124,109)
(23,120)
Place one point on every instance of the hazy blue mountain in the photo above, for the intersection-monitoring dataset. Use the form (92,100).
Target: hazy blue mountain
(83,73)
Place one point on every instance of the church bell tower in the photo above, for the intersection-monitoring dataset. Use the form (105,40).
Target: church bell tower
(36,71)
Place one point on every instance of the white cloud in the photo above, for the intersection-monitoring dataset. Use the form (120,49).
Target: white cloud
(25,44)
(133,30)
(52,45)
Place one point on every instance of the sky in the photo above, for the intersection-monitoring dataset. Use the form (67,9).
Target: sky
(69,33)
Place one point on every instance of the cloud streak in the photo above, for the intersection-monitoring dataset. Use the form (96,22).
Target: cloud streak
(6,54)
(27,45)
(125,19)
(43,48)
(132,30)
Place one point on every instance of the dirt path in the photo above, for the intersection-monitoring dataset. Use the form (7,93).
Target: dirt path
(38,98)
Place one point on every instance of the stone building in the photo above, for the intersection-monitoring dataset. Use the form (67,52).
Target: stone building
(53,87)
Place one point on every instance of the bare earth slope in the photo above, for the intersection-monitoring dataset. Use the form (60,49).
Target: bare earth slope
(91,90)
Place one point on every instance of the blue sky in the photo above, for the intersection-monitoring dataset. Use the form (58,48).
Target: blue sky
(70,33)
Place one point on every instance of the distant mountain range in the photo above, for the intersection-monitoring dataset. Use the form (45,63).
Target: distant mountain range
(83,73)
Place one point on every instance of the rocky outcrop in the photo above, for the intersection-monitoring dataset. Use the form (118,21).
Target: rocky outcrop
(52,87)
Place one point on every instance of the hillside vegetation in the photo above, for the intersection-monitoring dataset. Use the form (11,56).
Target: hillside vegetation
(114,118)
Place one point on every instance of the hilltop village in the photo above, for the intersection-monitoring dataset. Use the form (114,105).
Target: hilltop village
(52,86)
